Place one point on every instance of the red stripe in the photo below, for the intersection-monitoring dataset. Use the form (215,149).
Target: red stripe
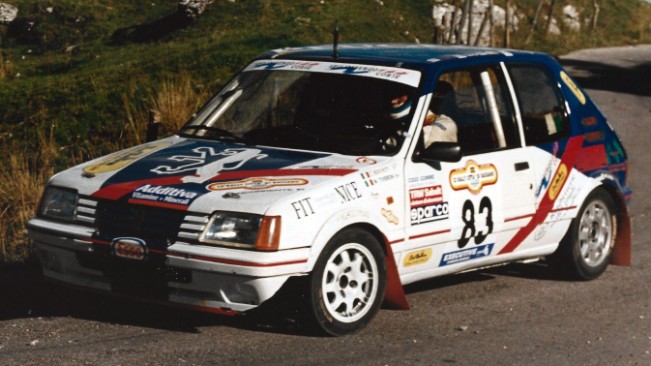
(213,259)
(119,190)
(518,218)
(149,249)
(430,234)
(546,205)
(158,204)
(235,262)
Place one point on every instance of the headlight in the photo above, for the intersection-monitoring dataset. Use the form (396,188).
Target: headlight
(59,204)
(242,230)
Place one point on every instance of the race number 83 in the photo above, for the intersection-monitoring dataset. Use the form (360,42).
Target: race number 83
(468,216)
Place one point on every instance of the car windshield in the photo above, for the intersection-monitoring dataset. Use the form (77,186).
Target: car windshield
(339,109)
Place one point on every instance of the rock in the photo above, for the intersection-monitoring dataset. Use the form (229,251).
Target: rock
(571,18)
(442,13)
(192,9)
(7,13)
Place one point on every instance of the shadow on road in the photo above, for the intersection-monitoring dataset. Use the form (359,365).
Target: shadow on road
(601,76)
(27,295)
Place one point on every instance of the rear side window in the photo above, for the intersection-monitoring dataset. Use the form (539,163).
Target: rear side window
(541,105)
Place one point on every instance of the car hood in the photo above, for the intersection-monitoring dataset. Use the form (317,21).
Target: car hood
(203,176)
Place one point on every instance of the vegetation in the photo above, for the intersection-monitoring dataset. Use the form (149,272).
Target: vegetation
(78,77)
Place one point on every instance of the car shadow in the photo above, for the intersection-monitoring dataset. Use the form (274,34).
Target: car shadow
(29,295)
(601,76)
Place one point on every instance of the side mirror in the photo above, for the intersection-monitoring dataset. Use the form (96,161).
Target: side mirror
(152,126)
(441,151)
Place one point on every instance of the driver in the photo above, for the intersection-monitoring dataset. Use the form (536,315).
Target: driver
(439,127)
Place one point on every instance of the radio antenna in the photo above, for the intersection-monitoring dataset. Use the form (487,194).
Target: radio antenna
(335,40)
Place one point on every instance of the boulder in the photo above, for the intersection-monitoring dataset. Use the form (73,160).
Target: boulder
(571,18)
(7,13)
(192,9)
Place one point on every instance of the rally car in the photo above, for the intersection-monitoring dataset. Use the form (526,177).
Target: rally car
(361,170)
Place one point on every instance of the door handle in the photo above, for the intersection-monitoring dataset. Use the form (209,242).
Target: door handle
(523,165)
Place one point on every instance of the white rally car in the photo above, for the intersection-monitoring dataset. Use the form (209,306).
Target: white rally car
(360,171)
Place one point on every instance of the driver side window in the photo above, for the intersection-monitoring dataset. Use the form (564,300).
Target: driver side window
(477,101)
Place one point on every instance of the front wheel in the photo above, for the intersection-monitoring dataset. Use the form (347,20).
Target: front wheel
(348,282)
(586,250)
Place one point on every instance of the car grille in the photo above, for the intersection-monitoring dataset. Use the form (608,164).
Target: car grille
(158,227)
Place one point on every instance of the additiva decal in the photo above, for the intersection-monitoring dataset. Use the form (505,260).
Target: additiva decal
(427,205)
(162,194)
(473,177)
(465,255)
(257,183)
(129,248)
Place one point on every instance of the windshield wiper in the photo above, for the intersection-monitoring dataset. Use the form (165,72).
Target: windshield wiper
(217,133)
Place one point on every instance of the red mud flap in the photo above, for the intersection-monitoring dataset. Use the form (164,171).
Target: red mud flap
(622,255)
(394,297)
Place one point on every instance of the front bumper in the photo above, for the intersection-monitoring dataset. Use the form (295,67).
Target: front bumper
(199,277)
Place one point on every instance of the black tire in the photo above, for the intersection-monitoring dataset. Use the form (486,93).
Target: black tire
(586,249)
(348,282)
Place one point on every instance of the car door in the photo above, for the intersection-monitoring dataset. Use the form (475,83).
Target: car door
(462,213)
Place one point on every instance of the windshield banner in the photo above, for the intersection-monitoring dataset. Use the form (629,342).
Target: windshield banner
(404,76)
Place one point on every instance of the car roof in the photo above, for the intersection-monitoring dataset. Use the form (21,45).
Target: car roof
(415,55)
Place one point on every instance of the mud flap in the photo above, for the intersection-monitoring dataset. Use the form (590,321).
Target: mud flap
(622,255)
(394,297)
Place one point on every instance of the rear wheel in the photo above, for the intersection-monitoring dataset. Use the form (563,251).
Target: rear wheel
(586,250)
(348,282)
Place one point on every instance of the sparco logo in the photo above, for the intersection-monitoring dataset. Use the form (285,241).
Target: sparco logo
(420,215)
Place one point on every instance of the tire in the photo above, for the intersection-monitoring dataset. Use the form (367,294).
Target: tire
(587,247)
(348,282)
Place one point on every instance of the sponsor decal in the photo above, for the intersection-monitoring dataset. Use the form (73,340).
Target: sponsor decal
(366,160)
(417,257)
(257,183)
(164,194)
(409,77)
(230,159)
(473,177)
(390,216)
(427,205)
(123,158)
(348,192)
(303,208)
(421,179)
(558,181)
(575,89)
(129,248)
(382,175)
(546,204)
(465,255)
(368,181)
(547,176)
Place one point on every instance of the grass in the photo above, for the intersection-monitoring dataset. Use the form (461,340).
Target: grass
(81,83)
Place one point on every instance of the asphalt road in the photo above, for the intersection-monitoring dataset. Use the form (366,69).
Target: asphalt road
(513,315)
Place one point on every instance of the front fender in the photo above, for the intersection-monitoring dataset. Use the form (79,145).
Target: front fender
(394,295)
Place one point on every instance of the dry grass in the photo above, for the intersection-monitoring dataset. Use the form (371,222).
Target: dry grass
(24,174)
(174,101)
(22,178)
(6,68)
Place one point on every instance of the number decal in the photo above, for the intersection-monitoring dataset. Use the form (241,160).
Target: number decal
(485,206)
(468,216)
